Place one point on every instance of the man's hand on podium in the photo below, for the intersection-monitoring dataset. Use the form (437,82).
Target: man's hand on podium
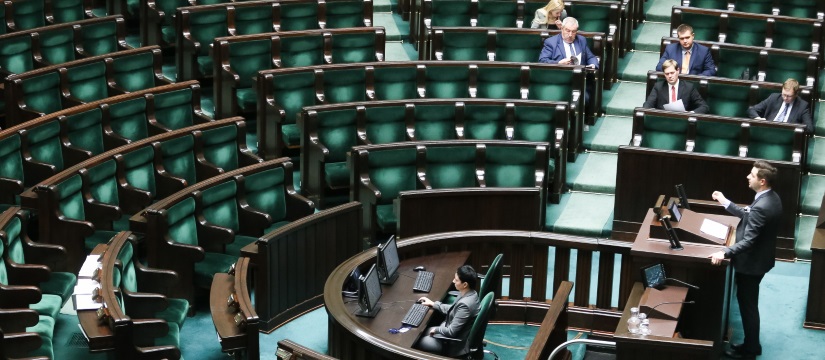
(717,257)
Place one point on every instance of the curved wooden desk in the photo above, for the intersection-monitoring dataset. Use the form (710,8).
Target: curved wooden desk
(352,337)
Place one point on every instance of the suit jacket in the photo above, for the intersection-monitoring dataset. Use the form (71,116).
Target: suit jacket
(755,248)
(553,51)
(689,95)
(769,108)
(701,62)
(458,322)
(540,20)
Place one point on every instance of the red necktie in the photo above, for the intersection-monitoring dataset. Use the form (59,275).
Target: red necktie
(672,93)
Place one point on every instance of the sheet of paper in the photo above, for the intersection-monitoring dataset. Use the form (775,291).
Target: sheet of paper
(715,229)
(675,106)
(85,302)
(89,265)
(85,286)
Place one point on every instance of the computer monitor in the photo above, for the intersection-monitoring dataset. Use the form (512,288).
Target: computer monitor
(369,294)
(683,199)
(388,261)
(654,275)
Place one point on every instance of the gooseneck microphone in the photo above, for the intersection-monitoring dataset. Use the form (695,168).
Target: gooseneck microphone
(683,283)
(670,302)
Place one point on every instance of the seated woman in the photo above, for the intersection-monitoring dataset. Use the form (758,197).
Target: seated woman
(459,317)
(550,16)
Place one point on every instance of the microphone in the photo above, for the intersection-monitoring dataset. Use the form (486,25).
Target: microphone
(671,234)
(669,302)
(683,283)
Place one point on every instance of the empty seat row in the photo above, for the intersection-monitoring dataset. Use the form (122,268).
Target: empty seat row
(84,205)
(238,59)
(330,131)
(379,173)
(793,8)
(60,140)
(29,14)
(200,230)
(282,93)
(43,91)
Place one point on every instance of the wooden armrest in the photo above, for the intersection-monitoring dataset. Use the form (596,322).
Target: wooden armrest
(18,296)
(16,320)
(143,305)
(28,274)
(160,281)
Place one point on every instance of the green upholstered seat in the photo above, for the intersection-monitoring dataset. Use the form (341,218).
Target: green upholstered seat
(510,166)
(57,45)
(728,99)
(517,47)
(219,206)
(71,205)
(16,55)
(128,118)
(44,144)
(99,38)
(247,99)
(101,180)
(167,34)
(353,48)
(746,31)
(347,13)
(732,62)
(465,46)
(49,305)
(139,169)
(204,26)
(253,19)
(385,124)
(498,83)
(219,147)
(705,26)
(44,328)
(299,16)
(484,122)
(42,93)
(179,158)
(664,133)
(88,82)
(28,14)
(134,72)
(720,138)
(534,123)
(265,191)
(337,132)
(292,92)
(393,83)
(435,122)
(448,81)
(451,166)
(500,14)
(781,67)
(793,35)
(593,17)
(798,8)
(11,169)
(391,171)
(85,131)
(246,59)
(755,6)
(345,85)
(65,11)
(451,13)
(550,84)
(710,4)
(303,50)
(770,143)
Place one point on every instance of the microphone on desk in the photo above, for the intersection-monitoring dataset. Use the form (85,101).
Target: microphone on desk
(683,283)
(670,302)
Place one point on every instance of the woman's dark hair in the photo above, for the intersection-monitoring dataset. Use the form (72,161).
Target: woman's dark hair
(467,274)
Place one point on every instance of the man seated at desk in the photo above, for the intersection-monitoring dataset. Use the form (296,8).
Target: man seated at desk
(784,107)
(672,91)
(459,317)
(569,48)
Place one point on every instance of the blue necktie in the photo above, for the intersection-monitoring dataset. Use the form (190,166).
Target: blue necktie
(781,116)
(573,54)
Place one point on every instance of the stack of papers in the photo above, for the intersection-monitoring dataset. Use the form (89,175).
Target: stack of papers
(83,296)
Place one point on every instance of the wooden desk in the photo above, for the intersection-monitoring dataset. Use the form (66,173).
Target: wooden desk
(353,337)
(100,335)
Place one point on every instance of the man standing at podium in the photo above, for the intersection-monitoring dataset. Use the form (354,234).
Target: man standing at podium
(753,253)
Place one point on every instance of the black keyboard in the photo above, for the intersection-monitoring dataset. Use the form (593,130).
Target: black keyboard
(415,315)
(424,281)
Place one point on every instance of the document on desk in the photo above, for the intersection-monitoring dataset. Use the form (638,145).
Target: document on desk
(677,105)
(715,229)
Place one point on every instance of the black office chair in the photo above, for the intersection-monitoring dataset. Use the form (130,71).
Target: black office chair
(476,336)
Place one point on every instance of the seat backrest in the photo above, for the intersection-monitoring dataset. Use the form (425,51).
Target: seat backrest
(178,158)
(728,99)
(733,61)
(299,16)
(205,26)
(303,50)
(747,31)
(336,130)
(220,146)
(266,191)
(451,166)
(28,14)
(344,85)
(717,137)
(128,118)
(395,83)
(664,133)
(249,57)
(84,130)
(44,145)
(754,6)
(139,169)
(101,181)
(348,13)
(498,13)
(12,239)
(70,202)
(136,71)
(102,36)
(492,279)
(771,143)
(16,53)
(64,11)
(174,109)
(511,166)
(181,222)
(435,122)
(464,45)
(219,206)
(41,93)
(476,336)
(484,121)
(57,44)
(447,81)
(518,46)
(494,82)
(11,168)
(256,19)
(88,82)
(392,171)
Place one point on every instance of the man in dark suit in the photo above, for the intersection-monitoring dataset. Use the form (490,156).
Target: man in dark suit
(753,253)
(785,107)
(569,48)
(697,56)
(672,90)
(459,317)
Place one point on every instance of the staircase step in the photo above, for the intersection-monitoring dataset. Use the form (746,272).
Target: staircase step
(819,113)
(581,214)
(648,36)
(400,51)
(660,10)
(609,133)
(813,189)
(624,97)
(396,28)
(635,65)
(593,172)
(380,6)
(805,226)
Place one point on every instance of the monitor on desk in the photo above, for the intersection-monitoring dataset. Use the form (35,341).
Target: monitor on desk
(369,293)
(654,276)
(388,261)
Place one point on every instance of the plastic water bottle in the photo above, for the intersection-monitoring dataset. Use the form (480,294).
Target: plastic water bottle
(644,328)
(633,322)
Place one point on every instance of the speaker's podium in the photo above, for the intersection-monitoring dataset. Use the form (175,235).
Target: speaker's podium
(695,329)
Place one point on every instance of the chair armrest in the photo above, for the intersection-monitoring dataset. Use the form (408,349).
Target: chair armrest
(27,274)
(150,328)
(18,296)
(101,211)
(298,206)
(16,320)
(24,342)
(10,188)
(51,255)
(143,305)
(213,238)
(184,252)
(159,352)
(252,221)
(160,281)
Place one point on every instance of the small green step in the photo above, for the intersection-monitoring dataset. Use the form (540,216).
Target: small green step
(660,10)
(396,28)
(609,133)
(623,98)
(635,65)
(581,214)
(593,172)
(648,36)
(805,226)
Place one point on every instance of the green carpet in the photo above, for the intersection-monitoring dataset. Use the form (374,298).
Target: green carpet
(400,51)
(69,342)
(609,133)
(648,36)
(309,330)
(512,341)
(396,29)
(660,10)
(804,235)
(383,6)
(581,214)
(593,172)
(810,199)
(624,97)
(635,65)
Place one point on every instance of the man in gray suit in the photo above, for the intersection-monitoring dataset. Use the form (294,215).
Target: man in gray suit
(459,317)
(753,253)
(785,107)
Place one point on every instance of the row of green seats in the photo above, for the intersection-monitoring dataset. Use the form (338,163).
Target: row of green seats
(32,294)
(200,230)
(84,205)
(330,131)
(282,93)
(60,140)
(379,173)
(794,8)
(238,59)
(29,14)
(50,89)
(718,135)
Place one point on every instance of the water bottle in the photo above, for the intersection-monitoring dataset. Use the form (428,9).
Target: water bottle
(633,322)
(644,328)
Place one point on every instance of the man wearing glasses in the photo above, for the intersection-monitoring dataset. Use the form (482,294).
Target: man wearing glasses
(694,59)
(786,107)
(569,48)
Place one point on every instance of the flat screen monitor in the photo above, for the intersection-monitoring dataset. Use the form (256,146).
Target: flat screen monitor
(674,210)
(369,294)
(654,275)
(388,261)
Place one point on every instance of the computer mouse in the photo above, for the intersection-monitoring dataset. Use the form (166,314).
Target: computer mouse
(419,301)
(419,268)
